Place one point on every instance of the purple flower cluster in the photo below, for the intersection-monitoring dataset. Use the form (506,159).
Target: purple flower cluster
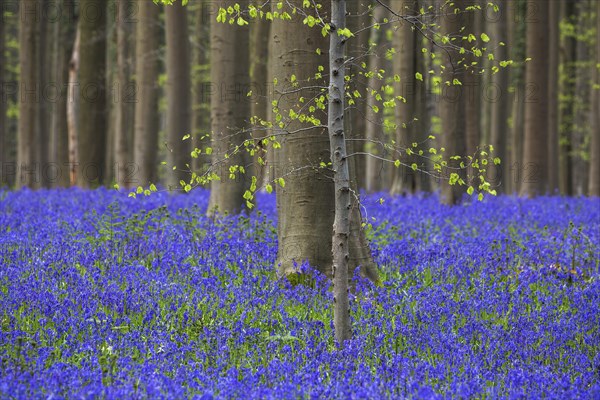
(106,296)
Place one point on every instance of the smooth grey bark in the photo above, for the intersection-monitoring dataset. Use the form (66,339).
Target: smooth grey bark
(535,152)
(259,51)
(178,94)
(452,107)
(422,125)
(374,120)
(44,107)
(200,79)
(482,24)
(471,90)
(516,47)
(230,109)
(145,140)
(111,82)
(64,33)
(553,95)
(341,174)
(123,133)
(357,21)
(92,129)
(306,204)
(580,133)
(73,110)
(594,181)
(568,61)
(404,68)
(500,106)
(28,97)
(3,107)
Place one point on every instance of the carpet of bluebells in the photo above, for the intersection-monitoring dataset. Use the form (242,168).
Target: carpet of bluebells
(102,295)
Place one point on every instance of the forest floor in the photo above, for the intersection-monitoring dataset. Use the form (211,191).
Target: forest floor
(102,295)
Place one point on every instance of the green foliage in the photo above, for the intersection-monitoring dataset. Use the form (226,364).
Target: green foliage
(308,112)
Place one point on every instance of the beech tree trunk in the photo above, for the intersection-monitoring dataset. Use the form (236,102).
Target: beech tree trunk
(567,58)
(65,33)
(516,31)
(357,22)
(594,182)
(422,128)
(452,107)
(500,103)
(341,174)
(230,109)
(93,114)
(553,95)
(3,106)
(404,69)
(123,108)
(535,152)
(178,95)
(374,129)
(27,170)
(44,106)
(73,110)
(580,133)
(200,84)
(145,141)
(259,50)
(306,205)
(471,92)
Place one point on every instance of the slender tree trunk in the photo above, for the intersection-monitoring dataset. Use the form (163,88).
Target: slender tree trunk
(343,203)
(431,100)
(517,46)
(111,84)
(178,94)
(580,132)
(229,114)
(567,59)
(452,107)
(123,107)
(535,154)
(27,170)
(471,89)
(483,23)
(357,22)
(73,110)
(404,86)
(65,33)
(422,127)
(553,94)
(3,107)
(92,108)
(374,114)
(259,30)
(594,181)
(145,140)
(200,80)
(500,103)
(44,107)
